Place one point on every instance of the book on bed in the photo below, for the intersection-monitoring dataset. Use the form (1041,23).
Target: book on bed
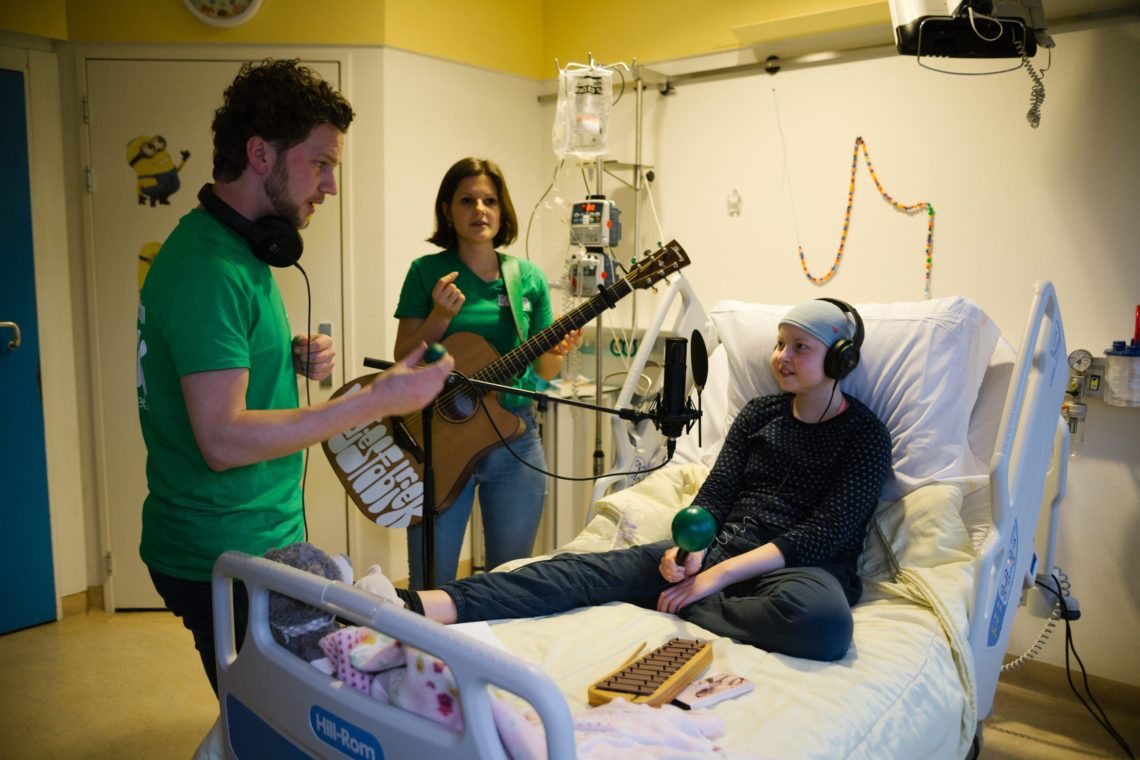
(712,689)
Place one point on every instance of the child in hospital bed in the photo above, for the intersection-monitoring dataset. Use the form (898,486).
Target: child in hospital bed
(791,491)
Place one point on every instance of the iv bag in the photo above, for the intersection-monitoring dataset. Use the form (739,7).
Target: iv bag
(581,121)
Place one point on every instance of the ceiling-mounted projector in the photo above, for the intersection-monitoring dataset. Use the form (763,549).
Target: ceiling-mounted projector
(969,28)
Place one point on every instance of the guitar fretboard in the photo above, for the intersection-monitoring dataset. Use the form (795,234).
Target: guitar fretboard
(513,363)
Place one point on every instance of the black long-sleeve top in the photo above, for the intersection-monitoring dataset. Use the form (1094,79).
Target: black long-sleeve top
(809,489)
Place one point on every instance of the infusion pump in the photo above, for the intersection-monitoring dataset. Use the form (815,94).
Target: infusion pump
(595,223)
(590,271)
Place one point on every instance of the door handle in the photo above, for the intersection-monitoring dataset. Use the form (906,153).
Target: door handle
(15,342)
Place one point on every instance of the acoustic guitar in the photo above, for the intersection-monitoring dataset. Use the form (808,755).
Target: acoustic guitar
(381,463)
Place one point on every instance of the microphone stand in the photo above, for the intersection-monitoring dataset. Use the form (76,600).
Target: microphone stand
(427,519)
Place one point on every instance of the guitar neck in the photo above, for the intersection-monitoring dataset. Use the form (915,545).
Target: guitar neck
(513,363)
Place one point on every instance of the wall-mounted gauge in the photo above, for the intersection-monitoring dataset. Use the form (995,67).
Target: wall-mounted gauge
(1080,360)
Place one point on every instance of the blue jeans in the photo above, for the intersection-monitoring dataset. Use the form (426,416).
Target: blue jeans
(799,611)
(510,502)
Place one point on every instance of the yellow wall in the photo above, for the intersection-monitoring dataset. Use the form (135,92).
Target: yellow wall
(300,22)
(521,37)
(659,30)
(502,35)
(41,18)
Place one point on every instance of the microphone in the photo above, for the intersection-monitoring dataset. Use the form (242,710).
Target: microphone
(672,404)
(378,363)
(434,352)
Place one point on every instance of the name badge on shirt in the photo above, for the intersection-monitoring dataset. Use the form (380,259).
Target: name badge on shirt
(505,304)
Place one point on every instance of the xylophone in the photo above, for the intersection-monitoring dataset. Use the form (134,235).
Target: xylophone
(654,678)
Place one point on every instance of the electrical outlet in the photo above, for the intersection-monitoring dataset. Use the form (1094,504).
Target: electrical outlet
(1094,377)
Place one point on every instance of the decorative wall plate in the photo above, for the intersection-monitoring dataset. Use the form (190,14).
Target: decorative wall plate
(223,12)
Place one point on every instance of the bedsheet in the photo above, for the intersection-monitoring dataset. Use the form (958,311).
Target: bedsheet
(905,688)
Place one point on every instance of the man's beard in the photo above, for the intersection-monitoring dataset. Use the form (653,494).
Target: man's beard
(277,188)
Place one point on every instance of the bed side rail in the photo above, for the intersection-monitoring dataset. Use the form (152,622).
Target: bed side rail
(273,703)
(1022,464)
(640,446)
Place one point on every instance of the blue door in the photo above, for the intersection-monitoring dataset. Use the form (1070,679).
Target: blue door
(27,597)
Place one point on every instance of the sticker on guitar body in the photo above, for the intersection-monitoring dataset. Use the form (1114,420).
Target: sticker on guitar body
(377,473)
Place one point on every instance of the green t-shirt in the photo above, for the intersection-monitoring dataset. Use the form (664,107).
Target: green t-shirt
(486,311)
(209,304)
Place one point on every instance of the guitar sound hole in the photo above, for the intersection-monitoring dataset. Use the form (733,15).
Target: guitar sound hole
(458,404)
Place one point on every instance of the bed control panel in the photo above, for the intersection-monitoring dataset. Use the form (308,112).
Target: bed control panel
(657,677)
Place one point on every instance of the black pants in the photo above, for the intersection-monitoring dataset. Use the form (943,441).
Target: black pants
(192,601)
(800,611)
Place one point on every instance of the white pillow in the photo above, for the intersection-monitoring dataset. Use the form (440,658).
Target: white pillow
(922,364)
(922,529)
(986,417)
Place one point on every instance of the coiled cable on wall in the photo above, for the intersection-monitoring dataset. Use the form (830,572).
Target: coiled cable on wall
(1046,632)
(1037,92)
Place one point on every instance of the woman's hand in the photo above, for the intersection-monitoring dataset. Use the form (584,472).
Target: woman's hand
(448,299)
(549,363)
(569,342)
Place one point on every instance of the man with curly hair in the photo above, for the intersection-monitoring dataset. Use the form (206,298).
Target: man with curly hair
(217,392)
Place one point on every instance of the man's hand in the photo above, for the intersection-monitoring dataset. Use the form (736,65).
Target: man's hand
(313,356)
(406,388)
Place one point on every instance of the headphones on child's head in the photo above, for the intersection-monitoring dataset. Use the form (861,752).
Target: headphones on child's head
(843,355)
(273,239)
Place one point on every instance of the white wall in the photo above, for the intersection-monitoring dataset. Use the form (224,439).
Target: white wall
(1013,205)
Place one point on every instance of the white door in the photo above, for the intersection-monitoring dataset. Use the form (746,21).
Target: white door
(169,105)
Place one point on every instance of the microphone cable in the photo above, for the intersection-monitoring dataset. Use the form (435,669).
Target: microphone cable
(1070,646)
(502,439)
(739,529)
(308,397)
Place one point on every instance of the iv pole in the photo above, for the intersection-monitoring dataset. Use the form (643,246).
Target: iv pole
(599,455)
(639,89)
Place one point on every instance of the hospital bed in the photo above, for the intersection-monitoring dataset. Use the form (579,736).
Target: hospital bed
(979,448)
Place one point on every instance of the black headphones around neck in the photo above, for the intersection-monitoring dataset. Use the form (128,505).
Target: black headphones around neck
(843,355)
(273,239)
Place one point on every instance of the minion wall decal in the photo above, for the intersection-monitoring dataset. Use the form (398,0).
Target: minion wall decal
(157,176)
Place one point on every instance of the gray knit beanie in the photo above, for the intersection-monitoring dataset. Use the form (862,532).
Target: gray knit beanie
(822,319)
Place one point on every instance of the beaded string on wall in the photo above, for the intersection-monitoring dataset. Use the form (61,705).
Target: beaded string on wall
(911,209)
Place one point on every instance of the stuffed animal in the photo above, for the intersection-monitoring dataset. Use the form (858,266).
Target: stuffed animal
(297,626)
